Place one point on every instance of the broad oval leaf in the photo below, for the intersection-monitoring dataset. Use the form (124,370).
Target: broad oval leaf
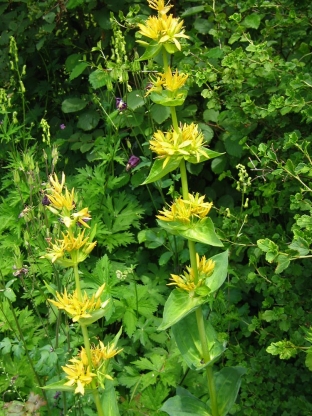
(201,232)
(178,305)
(185,406)
(158,171)
(186,335)
(70,105)
(215,281)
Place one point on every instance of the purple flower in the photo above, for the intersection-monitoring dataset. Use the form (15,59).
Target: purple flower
(62,126)
(45,200)
(120,104)
(132,162)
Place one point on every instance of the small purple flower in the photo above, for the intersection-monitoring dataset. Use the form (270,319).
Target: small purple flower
(45,200)
(132,162)
(62,126)
(120,104)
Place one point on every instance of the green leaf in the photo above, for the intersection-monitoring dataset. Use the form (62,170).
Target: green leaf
(185,406)
(109,399)
(71,105)
(152,50)
(78,70)
(285,349)
(202,231)
(283,261)
(308,360)
(88,120)
(253,21)
(218,165)
(95,316)
(9,294)
(215,281)
(72,4)
(186,335)
(178,305)
(157,171)
(192,10)
(135,99)
(228,382)
(169,98)
(160,113)
(98,78)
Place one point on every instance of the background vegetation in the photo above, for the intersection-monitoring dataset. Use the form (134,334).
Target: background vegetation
(62,66)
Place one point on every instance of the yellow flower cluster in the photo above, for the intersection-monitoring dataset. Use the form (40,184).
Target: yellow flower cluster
(78,372)
(168,81)
(62,202)
(163,29)
(74,247)
(79,307)
(186,210)
(185,143)
(187,282)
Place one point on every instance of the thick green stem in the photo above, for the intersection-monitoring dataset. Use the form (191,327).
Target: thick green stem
(87,347)
(199,312)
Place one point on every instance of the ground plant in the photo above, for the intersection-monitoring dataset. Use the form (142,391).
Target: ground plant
(155,207)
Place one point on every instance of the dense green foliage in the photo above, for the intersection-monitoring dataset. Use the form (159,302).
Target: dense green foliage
(249,63)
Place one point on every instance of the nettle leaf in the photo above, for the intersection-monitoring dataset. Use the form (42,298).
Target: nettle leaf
(98,78)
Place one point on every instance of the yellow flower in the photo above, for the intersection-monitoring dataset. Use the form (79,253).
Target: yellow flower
(60,201)
(57,187)
(186,282)
(186,211)
(160,6)
(99,354)
(185,143)
(56,251)
(82,216)
(163,30)
(168,81)
(79,374)
(77,307)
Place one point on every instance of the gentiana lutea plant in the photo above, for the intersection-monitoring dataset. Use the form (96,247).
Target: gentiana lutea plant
(187,216)
(88,371)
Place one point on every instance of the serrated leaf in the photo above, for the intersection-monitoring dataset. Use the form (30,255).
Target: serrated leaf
(253,21)
(98,78)
(135,99)
(70,105)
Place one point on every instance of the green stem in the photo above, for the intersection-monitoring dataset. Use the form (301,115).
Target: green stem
(174,119)
(199,312)
(87,347)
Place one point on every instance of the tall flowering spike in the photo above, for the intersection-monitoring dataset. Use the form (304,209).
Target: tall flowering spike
(186,211)
(186,143)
